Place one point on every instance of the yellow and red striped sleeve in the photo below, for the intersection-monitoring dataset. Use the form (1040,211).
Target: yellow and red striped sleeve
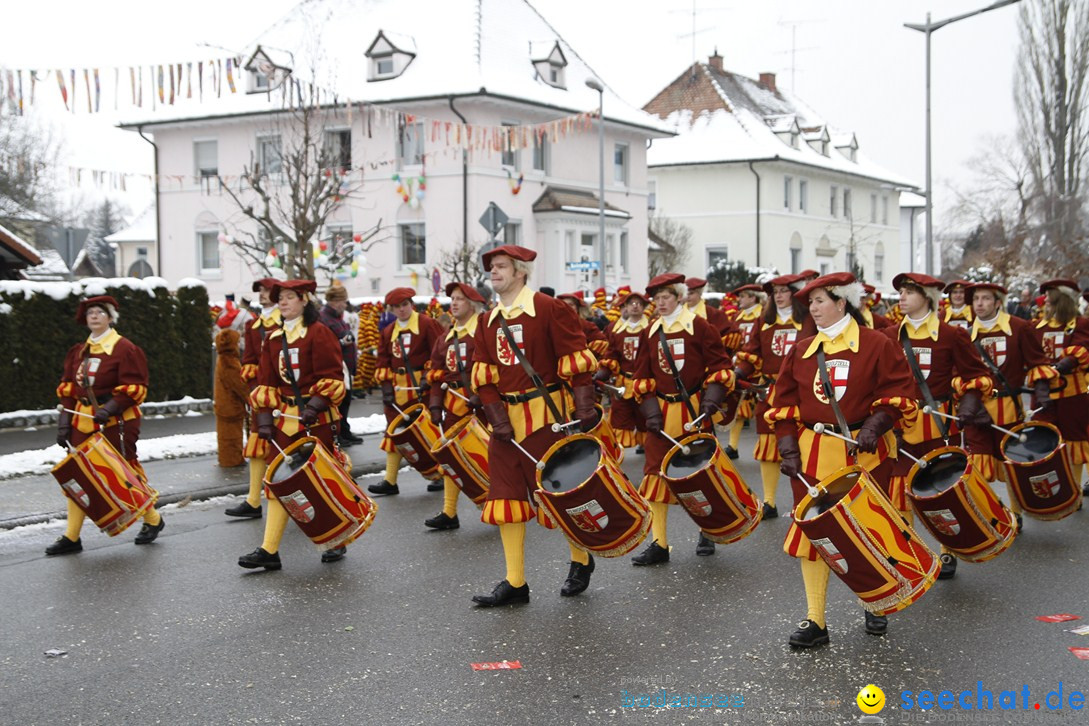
(249,372)
(1041,373)
(135,391)
(599,347)
(751,359)
(643,387)
(724,376)
(66,389)
(383,375)
(983,384)
(905,407)
(572,364)
(265,397)
(330,388)
(1080,353)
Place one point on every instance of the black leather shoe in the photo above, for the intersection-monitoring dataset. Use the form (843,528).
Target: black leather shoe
(64,546)
(435,486)
(949,567)
(333,555)
(769,512)
(243,509)
(346,441)
(705,547)
(504,594)
(809,635)
(578,578)
(260,558)
(149,533)
(876,624)
(640,450)
(1020,523)
(442,521)
(654,554)
(384,488)
(730,451)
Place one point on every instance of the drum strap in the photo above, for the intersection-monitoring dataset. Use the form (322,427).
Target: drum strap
(676,373)
(290,371)
(909,352)
(1001,379)
(408,366)
(528,367)
(461,366)
(830,394)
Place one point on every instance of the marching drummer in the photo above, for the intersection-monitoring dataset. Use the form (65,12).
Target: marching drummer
(873,319)
(404,354)
(694,301)
(946,366)
(527,348)
(256,448)
(681,368)
(104,380)
(1014,357)
(624,337)
(786,321)
(300,376)
(451,364)
(749,301)
(595,338)
(1064,336)
(866,383)
(958,311)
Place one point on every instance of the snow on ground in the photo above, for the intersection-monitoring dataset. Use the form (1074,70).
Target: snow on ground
(42,461)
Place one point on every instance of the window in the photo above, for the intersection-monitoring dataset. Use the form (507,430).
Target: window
(879,262)
(206,158)
(338,148)
(383,65)
(413,244)
(540,152)
(652,194)
(141,251)
(788,183)
(624,252)
(884,210)
(208,249)
(586,248)
(852,260)
(803,196)
(795,261)
(847,205)
(620,163)
(410,145)
(569,246)
(609,253)
(555,75)
(716,255)
(824,269)
(269,156)
(510,154)
(375,284)
(259,81)
(873,209)
(337,234)
(833,209)
(512,233)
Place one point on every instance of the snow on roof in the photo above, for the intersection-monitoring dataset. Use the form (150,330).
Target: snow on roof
(467,47)
(911,199)
(52,267)
(18,247)
(143,229)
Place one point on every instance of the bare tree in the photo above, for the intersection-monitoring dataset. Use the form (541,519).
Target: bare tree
(678,244)
(462,264)
(28,166)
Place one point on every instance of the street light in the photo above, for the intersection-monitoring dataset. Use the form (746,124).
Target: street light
(928,28)
(596,85)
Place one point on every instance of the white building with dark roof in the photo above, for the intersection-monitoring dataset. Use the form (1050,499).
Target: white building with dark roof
(759,177)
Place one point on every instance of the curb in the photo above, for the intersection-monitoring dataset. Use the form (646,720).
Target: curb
(152,408)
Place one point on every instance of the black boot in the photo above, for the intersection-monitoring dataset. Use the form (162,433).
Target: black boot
(337,553)
(730,451)
(769,512)
(705,547)
(442,521)
(149,532)
(578,578)
(809,635)
(639,449)
(243,509)
(260,558)
(503,594)
(1020,523)
(384,488)
(654,554)
(876,624)
(435,485)
(949,567)
(64,546)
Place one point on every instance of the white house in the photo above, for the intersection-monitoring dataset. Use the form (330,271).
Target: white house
(467,102)
(759,177)
(136,248)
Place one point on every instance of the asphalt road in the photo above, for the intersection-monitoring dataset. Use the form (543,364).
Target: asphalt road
(175,632)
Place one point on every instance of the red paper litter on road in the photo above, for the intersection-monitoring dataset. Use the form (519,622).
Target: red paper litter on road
(1080,653)
(503,665)
(1060,618)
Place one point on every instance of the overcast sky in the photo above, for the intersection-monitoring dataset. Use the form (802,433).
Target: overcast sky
(854,62)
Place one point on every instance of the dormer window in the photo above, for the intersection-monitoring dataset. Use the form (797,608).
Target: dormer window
(818,139)
(549,62)
(848,147)
(263,73)
(786,128)
(389,55)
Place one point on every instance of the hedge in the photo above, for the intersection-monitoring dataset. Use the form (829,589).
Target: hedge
(38,326)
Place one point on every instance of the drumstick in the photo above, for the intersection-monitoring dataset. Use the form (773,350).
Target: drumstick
(692,424)
(407,388)
(558,427)
(922,464)
(536,463)
(280,414)
(684,448)
(812,490)
(1019,437)
(60,407)
(446,387)
(615,390)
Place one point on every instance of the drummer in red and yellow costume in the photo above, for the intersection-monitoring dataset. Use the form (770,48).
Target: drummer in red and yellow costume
(595,339)
(1010,346)
(959,310)
(256,448)
(786,321)
(104,380)
(1064,336)
(451,364)
(877,321)
(704,369)
(417,335)
(548,333)
(746,320)
(873,389)
(951,368)
(694,301)
(300,376)
(624,339)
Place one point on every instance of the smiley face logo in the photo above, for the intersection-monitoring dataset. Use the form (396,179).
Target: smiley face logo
(870,699)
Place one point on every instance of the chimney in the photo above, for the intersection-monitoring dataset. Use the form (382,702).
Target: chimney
(768,79)
(715,61)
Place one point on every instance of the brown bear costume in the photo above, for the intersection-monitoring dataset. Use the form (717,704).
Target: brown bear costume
(231,395)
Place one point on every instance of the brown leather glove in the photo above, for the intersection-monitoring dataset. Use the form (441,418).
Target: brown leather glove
(475,403)
(1067,365)
(971,412)
(388,397)
(603,375)
(652,413)
(791,465)
(264,425)
(500,421)
(585,408)
(1041,394)
(107,411)
(713,397)
(316,406)
(64,429)
(878,423)
(436,414)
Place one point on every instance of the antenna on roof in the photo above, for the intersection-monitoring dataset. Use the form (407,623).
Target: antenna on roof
(794,45)
(700,31)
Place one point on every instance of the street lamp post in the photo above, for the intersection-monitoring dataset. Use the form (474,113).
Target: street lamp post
(928,28)
(596,85)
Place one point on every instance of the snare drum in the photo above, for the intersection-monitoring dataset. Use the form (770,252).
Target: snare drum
(318,494)
(710,489)
(414,435)
(958,507)
(585,492)
(1038,472)
(866,542)
(105,486)
(462,454)
(603,430)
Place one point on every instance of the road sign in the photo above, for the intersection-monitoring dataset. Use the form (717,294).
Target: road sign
(583,266)
(493,219)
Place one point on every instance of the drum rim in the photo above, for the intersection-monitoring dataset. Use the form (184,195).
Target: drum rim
(392,425)
(685,442)
(842,471)
(287,451)
(915,469)
(451,433)
(539,471)
(1017,429)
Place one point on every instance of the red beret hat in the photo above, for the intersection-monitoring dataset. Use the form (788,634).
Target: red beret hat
(972,287)
(514,251)
(953,285)
(98,301)
(1056,284)
(834,279)
(639,295)
(297,286)
(695,283)
(664,280)
(788,280)
(751,287)
(467,290)
(918,279)
(398,295)
(267,282)
(576,296)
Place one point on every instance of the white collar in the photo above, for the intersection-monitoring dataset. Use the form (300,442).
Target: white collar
(99,338)
(835,328)
(921,321)
(785,313)
(292,324)
(265,312)
(988,324)
(670,319)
